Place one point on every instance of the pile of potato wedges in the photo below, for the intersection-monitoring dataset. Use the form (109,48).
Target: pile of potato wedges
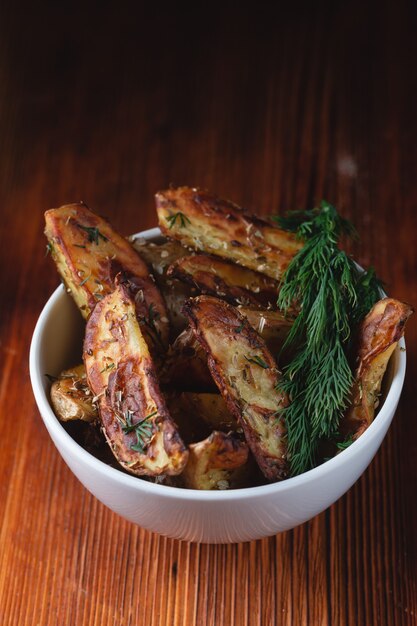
(179,370)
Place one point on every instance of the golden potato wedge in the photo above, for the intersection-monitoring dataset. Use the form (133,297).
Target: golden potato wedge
(246,375)
(218,462)
(379,334)
(89,253)
(185,367)
(186,364)
(202,221)
(71,396)
(223,279)
(121,374)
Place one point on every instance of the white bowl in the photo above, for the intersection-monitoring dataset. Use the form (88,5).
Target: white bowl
(203,516)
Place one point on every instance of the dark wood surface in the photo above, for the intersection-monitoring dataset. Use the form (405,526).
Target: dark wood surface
(275,107)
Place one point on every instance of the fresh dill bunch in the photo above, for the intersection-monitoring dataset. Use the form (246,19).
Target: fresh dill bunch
(369,289)
(331,294)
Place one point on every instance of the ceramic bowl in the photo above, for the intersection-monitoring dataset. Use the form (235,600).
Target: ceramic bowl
(201,516)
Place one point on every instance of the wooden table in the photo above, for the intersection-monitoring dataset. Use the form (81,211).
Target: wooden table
(274,108)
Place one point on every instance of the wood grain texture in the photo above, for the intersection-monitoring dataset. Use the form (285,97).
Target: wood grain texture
(274,106)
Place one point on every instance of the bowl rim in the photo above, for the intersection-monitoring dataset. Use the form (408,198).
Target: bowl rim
(135,482)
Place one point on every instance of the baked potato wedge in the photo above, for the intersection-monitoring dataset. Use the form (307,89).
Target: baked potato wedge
(71,396)
(186,364)
(246,375)
(200,220)
(218,462)
(379,334)
(236,284)
(121,374)
(89,253)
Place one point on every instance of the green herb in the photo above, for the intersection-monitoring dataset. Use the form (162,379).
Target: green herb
(342,445)
(256,360)
(183,220)
(108,367)
(239,328)
(142,430)
(49,248)
(368,287)
(303,223)
(84,281)
(330,291)
(78,245)
(94,234)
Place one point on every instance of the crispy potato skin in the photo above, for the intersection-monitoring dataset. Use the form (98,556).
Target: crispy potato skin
(122,376)
(218,462)
(71,396)
(88,261)
(210,224)
(379,334)
(226,280)
(249,390)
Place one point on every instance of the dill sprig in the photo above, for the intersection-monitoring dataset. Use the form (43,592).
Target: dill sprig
(143,430)
(257,360)
(342,445)
(368,286)
(330,292)
(179,216)
(94,235)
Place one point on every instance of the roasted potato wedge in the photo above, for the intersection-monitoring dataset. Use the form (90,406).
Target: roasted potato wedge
(218,462)
(121,374)
(379,334)
(214,276)
(89,253)
(71,396)
(186,364)
(246,375)
(198,414)
(202,221)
